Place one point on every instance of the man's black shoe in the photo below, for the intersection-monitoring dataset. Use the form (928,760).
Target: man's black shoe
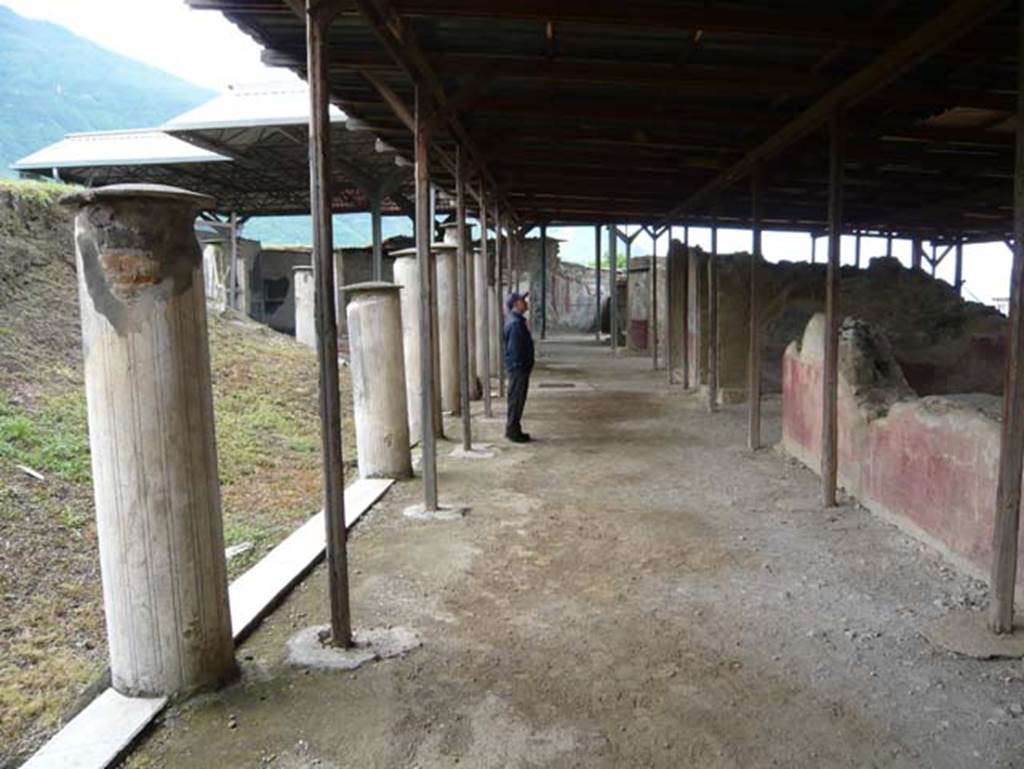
(521,438)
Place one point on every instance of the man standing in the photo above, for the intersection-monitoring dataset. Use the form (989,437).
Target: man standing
(519,363)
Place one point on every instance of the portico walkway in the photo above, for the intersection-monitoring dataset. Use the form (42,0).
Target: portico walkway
(633,589)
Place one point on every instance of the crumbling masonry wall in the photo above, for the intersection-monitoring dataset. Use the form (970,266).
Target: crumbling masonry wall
(927,464)
(942,343)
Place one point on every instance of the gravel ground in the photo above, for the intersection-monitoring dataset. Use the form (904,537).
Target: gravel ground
(633,589)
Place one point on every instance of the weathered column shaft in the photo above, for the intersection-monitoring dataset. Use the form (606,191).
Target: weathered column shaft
(480,299)
(304,292)
(406,273)
(378,380)
(448,326)
(151,432)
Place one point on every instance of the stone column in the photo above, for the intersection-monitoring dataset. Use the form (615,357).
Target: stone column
(303,289)
(378,380)
(151,432)
(497,353)
(481,337)
(451,239)
(448,324)
(406,272)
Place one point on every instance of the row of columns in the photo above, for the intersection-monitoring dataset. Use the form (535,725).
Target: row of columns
(148,388)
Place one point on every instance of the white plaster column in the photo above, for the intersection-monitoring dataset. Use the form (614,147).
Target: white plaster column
(303,288)
(480,298)
(451,238)
(448,324)
(151,432)
(497,353)
(211,277)
(378,380)
(406,272)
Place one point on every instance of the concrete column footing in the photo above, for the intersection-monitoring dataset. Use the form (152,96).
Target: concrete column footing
(306,649)
(419,512)
(966,632)
(478,451)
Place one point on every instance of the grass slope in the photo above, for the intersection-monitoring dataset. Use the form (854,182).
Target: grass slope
(52,635)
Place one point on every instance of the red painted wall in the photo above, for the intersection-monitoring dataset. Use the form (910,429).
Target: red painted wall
(928,464)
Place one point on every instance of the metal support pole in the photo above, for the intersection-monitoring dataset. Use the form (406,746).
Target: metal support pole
(652,325)
(915,254)
(613,287)
(428,311)
(326,324)
(888,247)
(814,248)
(958,275)
(500,241)
(543,281)
(935,257)
(685,348)
(463,298)
(754,356)
(597,279)
(485,339)
(713,321)
(232,292)
(856,251)
(1006,526)
(670,360)
(378,238)
(830,374)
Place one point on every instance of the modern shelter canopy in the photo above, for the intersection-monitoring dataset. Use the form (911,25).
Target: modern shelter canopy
(583,111)
(247,148)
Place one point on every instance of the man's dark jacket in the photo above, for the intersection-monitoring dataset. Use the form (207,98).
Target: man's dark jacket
(518,344)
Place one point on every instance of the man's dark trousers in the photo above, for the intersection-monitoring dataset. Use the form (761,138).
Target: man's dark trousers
(518,386)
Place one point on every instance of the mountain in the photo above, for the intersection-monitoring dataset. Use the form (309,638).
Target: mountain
(53,82)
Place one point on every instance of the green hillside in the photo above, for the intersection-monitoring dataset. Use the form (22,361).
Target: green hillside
(53,82)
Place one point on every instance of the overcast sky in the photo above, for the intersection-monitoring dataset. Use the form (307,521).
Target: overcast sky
(203,47)
(200,46)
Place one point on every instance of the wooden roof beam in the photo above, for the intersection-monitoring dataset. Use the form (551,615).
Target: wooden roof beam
(939,31)
(399,40)
(614,13)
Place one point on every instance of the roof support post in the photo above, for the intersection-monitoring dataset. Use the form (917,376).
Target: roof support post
(713,321)
(958,275)
(814,247)
(888,248)
(463,299)
(613,286)
(232,292)
(685,309)
(499,243)
(669,287)
(428,323)
(754,354)
(915,254)
(1006,526)
(597,282)
(856,251)
(830,374)
(378,240)
(652,307)
(326,323)
(483,299)
(543,281)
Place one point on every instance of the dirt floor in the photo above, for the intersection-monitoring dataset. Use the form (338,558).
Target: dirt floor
(633,589)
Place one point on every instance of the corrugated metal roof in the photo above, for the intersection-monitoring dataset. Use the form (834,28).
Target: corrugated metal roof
(116,148)
(252,105)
